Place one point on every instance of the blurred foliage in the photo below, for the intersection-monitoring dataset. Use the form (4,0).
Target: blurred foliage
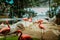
(19,5)
(53,7)
(29,3)
(57,1)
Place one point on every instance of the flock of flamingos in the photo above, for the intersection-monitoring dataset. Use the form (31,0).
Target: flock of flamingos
(8,29)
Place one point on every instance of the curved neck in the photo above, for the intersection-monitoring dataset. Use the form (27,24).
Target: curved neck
(20,37)
(8,25)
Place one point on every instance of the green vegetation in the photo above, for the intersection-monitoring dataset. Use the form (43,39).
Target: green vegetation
(15,38)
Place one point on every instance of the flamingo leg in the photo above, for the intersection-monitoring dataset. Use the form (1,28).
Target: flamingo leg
(25,23)
(19,35)
(4,37)
(42,34)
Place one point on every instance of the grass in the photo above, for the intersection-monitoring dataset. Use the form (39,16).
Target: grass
(15,38)
(10,38)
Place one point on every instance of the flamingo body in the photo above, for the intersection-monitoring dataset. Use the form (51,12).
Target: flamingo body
(5,30)
(26,37)
(41,26)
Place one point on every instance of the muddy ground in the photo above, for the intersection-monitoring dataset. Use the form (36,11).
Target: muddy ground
(51,31)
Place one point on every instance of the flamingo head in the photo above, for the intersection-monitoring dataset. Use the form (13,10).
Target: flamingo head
(7,22)
(40,21)
(25,19)
(30,19)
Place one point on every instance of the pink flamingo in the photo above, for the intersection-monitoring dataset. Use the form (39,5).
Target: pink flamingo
(41,27)
(25,19)
(39,21)
(23,36)
(5,30)
(30,19)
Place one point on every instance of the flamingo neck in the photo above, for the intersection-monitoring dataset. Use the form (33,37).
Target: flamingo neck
(8,26)
(20,37)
